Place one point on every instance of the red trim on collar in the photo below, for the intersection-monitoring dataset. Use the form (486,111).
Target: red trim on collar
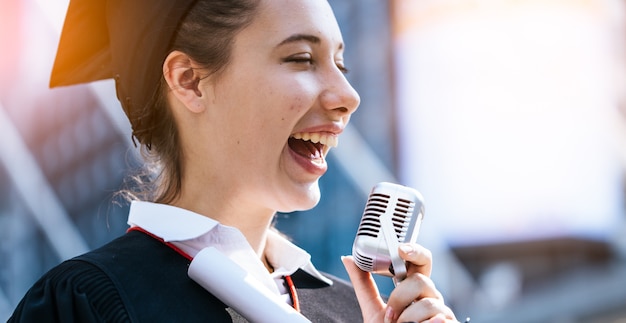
(182,253)
(290,285)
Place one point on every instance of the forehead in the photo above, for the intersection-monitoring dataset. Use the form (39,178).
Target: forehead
(278,19)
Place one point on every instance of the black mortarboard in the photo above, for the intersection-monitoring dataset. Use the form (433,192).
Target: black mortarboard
(123,39)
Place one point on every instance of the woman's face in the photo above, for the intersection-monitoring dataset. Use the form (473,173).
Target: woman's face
(277,109)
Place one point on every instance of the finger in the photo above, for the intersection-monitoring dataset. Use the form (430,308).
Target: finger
(427,310)
(414,287)
(365,288)
(418,258)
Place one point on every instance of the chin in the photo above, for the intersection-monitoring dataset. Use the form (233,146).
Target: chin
(304,198)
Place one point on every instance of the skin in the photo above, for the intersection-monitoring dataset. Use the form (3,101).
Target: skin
(286,76)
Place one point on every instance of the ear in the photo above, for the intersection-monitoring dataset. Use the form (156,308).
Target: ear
(183,78)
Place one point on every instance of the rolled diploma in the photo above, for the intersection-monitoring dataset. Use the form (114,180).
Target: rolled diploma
(239,290)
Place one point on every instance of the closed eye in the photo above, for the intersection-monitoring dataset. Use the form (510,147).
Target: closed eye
(308,60)
(299,58)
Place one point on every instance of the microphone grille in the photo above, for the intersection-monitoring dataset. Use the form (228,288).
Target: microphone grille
(390,209)
(370,222)
(401,217)
(364,262)
(376,206)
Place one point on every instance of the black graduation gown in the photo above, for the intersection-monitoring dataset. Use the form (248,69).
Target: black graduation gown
(137,278)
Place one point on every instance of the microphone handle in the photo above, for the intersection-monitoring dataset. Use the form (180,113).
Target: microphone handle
(389,234)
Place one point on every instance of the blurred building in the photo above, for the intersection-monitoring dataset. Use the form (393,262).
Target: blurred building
(509,123)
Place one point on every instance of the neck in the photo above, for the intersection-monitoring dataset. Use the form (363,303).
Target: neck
(253,223)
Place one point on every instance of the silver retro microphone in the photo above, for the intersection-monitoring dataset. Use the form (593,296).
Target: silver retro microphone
(392,215)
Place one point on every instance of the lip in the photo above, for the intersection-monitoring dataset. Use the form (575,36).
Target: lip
(317,168)
(333,128)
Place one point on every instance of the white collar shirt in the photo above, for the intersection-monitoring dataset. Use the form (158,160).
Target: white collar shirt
(192,232)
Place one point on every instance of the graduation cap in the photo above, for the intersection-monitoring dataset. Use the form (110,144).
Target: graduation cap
(127,40)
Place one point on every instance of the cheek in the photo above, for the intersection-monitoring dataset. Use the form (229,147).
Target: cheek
(300,100)
(296,106)
(299,91)
(285,99)
(289,107)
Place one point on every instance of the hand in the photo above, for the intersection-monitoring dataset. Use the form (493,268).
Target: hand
(415,299)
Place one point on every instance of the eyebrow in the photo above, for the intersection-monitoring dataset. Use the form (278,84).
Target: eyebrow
(303,37)
(300,37)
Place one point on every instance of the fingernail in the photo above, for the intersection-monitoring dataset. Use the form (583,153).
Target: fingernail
(389,314)
(407,248)
(343,261)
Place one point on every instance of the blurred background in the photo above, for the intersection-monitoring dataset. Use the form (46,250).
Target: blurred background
(508,116)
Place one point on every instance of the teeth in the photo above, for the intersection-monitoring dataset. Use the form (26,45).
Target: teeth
(326,139)
(315,137)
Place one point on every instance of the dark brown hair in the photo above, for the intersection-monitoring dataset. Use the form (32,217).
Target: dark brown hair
(206,34)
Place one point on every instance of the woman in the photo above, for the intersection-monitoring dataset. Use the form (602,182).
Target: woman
(239,103)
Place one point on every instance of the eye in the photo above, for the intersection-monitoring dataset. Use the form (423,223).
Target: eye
(304,58)
(342,68)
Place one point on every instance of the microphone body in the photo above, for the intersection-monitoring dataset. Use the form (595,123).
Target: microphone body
(392,215)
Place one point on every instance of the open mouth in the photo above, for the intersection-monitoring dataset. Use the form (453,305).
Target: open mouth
(312,145)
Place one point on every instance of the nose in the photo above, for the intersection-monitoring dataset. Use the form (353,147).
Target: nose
(339,97)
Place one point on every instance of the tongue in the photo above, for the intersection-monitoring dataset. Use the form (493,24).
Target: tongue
(305,148)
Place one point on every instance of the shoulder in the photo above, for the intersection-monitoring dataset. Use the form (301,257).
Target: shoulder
(153,278)
(72,291)
(134,278)
(82,289)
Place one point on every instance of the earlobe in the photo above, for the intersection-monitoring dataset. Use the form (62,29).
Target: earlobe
(183,80)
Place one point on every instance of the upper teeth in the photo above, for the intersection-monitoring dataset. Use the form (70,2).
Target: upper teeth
(328,139)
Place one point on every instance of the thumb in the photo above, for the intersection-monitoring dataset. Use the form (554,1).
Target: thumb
(372,305)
